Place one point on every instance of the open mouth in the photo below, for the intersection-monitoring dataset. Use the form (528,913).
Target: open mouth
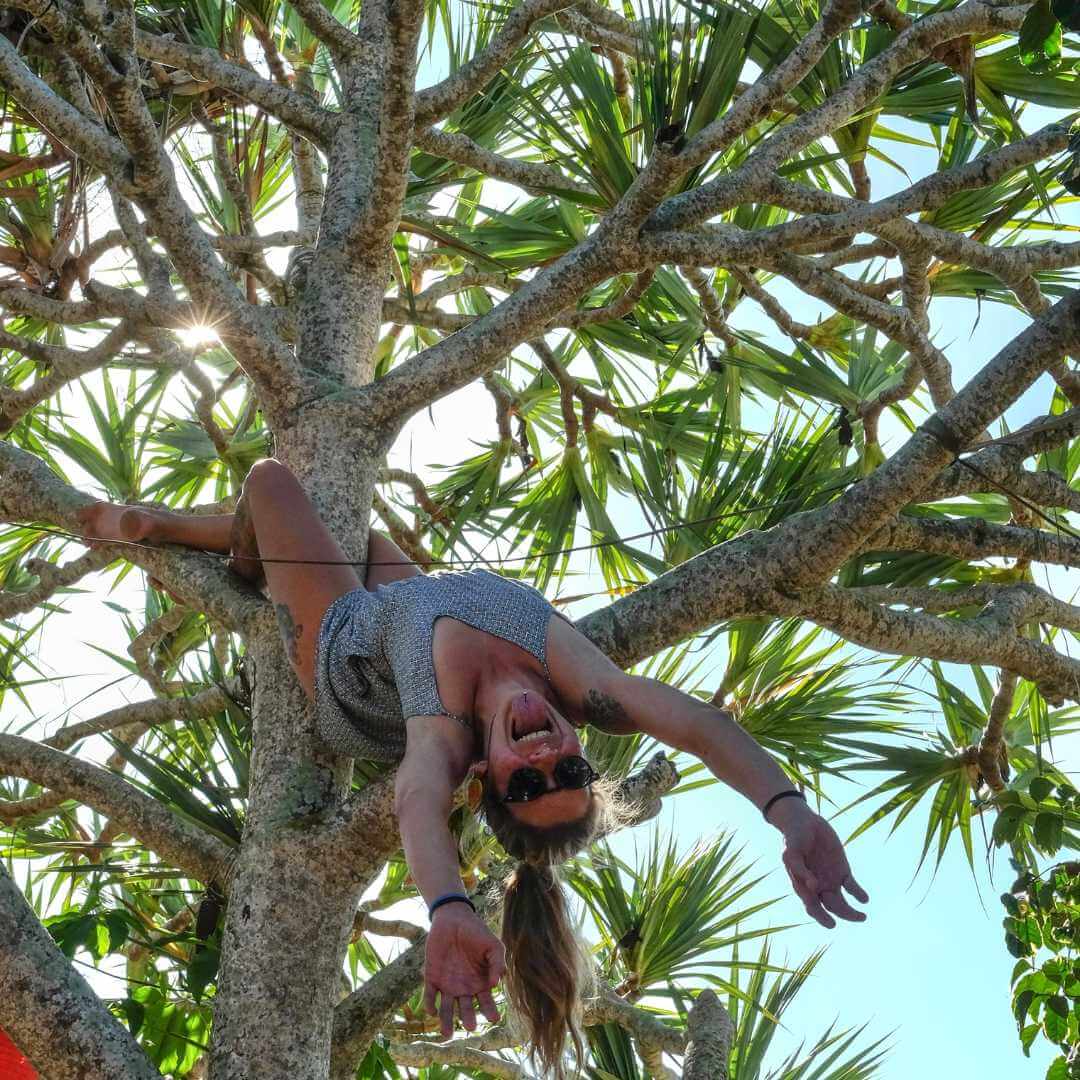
(529,719)
(533,736)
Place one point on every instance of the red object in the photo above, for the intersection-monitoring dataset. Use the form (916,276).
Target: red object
(13,1066)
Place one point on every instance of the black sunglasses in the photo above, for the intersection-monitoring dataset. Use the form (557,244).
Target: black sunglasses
(571,774)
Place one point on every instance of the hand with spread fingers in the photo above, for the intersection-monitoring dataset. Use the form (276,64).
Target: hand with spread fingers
(464,961)
(815,861)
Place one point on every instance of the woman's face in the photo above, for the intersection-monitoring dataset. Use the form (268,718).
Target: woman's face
(527,731)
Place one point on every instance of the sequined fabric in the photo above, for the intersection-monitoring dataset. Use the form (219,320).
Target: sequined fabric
(374,663)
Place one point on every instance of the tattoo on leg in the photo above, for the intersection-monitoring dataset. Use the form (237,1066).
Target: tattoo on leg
(291,631)
(604,712)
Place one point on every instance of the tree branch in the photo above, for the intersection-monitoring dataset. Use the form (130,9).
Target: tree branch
(862,88)
(438,101)
(55,1018)
(64,365)
(188,847)
(51,577)
(533,176)
(70,127)
(759,100)
(343,45)
(974,538)
(711,1031)
(420,1054)
(993,751)
(647,1030)
(30,491)
(296,111)
(361,1015)
(992,638)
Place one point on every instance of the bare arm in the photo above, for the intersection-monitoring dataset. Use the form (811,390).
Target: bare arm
(622,704)
(463,958)
(684,723)
(434,765)
(625,704)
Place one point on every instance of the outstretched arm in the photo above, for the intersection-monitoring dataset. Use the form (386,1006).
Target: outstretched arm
(464,959)
(625,704)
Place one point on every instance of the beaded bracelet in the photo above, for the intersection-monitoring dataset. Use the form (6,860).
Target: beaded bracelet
(450,898)
(782,795)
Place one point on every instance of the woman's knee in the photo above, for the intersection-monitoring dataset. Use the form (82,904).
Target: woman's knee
(269,479)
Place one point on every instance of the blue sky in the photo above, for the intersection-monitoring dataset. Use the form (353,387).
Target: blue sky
(929,964)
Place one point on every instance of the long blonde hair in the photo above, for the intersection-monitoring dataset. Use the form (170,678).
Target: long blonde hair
(544,964)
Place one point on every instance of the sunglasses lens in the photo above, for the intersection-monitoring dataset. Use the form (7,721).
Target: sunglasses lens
(574,772)
(525,784)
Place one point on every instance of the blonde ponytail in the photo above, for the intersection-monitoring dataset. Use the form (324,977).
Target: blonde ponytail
(544,962)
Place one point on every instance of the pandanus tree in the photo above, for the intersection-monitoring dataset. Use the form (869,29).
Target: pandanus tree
(231,230)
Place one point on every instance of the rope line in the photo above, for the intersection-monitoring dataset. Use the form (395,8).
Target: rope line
(933,427)
(754,508)
(945,437)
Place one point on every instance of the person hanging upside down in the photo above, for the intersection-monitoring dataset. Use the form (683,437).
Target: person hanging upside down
(451,672)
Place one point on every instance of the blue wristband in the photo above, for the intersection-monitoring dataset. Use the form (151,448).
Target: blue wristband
(450,898)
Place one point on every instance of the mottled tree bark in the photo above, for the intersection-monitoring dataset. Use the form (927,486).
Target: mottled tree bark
(310,846)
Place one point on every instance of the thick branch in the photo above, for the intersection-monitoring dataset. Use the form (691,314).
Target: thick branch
(364,832)
(49,1009)
(292,109)
(976,539)
(30,491)
(185,845)
(63,121)
(711,1031)
(360,1016)
(992,638)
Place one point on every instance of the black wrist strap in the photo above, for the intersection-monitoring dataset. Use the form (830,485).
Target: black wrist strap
(782,795)
(450,898)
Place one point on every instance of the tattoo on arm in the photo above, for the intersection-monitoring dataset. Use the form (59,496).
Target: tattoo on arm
(606,713)
(291,631)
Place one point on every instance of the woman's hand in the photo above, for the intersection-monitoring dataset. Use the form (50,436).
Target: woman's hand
(815,861)
(464,959)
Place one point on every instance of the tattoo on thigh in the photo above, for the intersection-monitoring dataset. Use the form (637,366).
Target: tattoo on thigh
(604,712)
(291,631)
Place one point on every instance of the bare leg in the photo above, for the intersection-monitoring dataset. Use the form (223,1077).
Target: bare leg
(287,526)
(110,521)
(231,534)
(274,520)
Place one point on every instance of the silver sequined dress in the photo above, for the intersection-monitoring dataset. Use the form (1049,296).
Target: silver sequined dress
(374,662)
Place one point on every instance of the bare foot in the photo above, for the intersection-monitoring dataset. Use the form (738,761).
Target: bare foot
(104,521)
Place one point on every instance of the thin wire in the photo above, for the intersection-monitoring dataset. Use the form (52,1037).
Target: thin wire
(598,545)
(1059,525)
(451,562)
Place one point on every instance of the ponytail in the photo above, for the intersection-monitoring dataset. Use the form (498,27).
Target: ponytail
(544,962)
(544,966)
